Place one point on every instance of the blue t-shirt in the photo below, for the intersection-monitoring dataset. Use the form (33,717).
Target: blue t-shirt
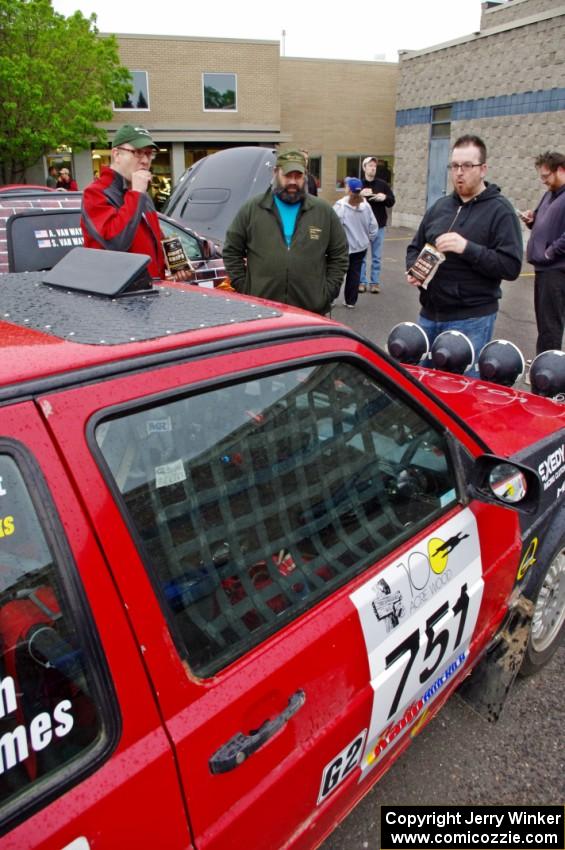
(288,214)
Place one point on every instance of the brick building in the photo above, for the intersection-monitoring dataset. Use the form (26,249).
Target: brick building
(505,83)
(199,95)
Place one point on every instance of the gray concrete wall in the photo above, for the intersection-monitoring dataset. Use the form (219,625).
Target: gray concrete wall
(521,59)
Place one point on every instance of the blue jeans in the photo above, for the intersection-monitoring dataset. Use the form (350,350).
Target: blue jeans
(376,252)
(479,331)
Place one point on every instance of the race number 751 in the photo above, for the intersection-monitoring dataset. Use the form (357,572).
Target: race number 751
(437,639)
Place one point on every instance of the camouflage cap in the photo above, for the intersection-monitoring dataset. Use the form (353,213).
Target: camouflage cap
(289,161)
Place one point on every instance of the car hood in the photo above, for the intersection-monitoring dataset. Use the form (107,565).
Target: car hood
(508,421)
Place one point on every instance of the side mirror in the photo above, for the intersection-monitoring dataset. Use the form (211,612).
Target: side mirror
(497,480)
(210,250)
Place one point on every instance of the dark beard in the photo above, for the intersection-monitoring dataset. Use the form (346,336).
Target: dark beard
(289,197)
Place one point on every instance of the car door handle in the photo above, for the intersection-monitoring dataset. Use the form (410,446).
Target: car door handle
(235,751)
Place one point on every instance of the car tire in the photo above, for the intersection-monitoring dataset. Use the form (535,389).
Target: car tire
(548,595)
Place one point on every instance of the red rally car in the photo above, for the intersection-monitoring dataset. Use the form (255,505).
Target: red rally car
(244,558)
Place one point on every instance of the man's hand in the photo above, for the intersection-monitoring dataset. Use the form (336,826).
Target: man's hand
(453,242)
(413,281)
(366,192)
(140,180)
(183,274)
(380,196)
(527,216)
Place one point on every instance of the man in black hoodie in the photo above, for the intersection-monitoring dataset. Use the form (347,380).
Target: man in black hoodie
(478,230)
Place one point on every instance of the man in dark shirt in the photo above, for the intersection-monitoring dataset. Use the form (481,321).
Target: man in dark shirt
(380,196)
(478,230)
(546,251)
(311,184)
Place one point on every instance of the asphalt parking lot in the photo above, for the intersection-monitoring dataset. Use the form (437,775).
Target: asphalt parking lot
(460,758)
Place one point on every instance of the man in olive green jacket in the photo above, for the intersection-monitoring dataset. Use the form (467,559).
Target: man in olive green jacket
(287,245)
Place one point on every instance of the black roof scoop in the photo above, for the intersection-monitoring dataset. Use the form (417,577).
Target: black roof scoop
(111,274)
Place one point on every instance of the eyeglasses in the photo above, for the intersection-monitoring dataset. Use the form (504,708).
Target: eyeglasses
(139,154)
(545,176)
(463,166)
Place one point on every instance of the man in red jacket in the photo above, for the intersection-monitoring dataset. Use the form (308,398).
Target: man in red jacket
(117,212)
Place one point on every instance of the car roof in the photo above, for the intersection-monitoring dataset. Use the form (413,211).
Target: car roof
(48,331)
(24,189)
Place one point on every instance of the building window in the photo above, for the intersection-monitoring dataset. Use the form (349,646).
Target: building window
(315,169)
(138,98)
(352,166)
(219,92)
(441,122)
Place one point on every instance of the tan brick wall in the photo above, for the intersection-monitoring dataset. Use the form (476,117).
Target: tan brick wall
(175,67)
(334,108)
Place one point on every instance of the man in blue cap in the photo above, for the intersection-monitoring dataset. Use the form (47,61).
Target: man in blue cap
(360,227)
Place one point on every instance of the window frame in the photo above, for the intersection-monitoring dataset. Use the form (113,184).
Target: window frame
(136,108)
(75,602)
(219,74)
(241,376)
(439,122)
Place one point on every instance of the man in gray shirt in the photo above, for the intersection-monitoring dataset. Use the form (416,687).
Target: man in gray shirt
(360,227)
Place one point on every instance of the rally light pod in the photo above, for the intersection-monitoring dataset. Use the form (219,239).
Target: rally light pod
(408,343)
(501,362)
(547,374)
(452,351)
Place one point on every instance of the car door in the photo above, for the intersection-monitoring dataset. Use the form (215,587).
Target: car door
(81,741)
(300,565)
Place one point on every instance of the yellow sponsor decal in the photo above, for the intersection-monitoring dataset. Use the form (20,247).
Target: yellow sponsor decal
(437,555)
(438,551)
(7,526)
(528,559)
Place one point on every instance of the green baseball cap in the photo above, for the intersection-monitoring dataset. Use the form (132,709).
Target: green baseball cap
(137,137)
(289,161)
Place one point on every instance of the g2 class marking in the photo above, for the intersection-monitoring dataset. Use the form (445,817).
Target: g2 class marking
(341,766)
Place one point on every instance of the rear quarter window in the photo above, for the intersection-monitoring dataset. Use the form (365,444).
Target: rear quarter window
(49,718)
